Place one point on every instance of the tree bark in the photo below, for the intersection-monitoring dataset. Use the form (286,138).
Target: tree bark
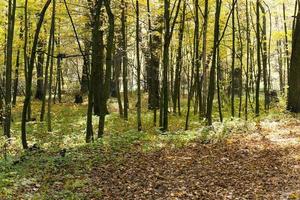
(8,78)
(39,72)
(258,51)
(168,31)
(293,103)
(212,80)
(179,63)
(124,58)
(49,124)
(233,61)
(30,69)
(139,99)
(204,60)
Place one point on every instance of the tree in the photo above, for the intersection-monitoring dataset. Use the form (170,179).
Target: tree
(233,55)
(196,65)
(152,61)
(286,42)
(124,58)
(179,62)
(212,79)
(9,51)
(168,32)
(196,60)
(96,79)
(258,51)
(39,70)
(16,78)
(139,99)
(109,55)
(52,34)
(248,58)
(204,60)
(29,73)
(293,103)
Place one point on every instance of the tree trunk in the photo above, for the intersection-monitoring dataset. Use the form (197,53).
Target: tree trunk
(179,63)
(280,66)
(248,59)
(293,103)
(212,80)
(165,64)
(219,86)
(117,73)
(233,61)
(153,61)
(204,60)
(258,50)
(197,59)
(96,69)
(30,68)
(109,53)
(10,37)
(265,58)
(45,89)
(139,99)
(124,58)
(84,84)
(16,79)
(286,43)
(39,72)
(49,125)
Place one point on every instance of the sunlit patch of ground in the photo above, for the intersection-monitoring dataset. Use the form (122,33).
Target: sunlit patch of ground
(282,133)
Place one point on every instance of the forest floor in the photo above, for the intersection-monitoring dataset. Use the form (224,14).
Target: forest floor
(263,165)
(234,160)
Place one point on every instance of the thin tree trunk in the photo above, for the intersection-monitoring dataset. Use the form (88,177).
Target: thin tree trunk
(46,81)
(117,67)
(125,58)
(16,78)
(233,61)
(109,62)
(139,99)
(49,125)
(280,65)
(197,60)
(265,58)
(190,96)
(241,61)
(204,60)
(248,59)
(167,40)
(30,68)
(10,38)
(286,44)
(179,63)
(39,72)
(258,50)
(212,80)
(218,85)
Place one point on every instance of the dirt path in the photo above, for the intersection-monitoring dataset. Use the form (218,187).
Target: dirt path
(262,165)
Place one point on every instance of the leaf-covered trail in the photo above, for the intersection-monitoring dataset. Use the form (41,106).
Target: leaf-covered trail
(261,165)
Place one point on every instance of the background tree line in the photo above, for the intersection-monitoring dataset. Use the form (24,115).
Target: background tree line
(212,59)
